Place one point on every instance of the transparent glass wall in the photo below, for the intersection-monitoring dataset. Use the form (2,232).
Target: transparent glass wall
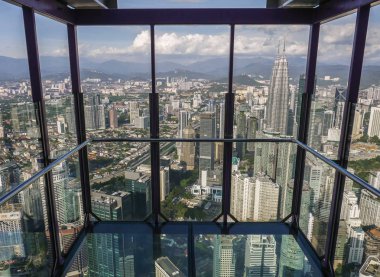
(191,189)
(68,201)
(192,77)
(358,244)
(116,80)
(24,234)
(262,184)
(120,180)
(269,76)
(364,151)
(333,62)
(56,84)
(20,148)
(316,198)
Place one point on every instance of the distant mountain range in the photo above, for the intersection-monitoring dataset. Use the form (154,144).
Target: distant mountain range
(213,69)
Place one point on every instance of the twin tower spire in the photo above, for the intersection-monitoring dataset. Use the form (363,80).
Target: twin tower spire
(279,46)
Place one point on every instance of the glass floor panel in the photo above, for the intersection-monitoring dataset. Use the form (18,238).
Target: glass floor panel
(137,250)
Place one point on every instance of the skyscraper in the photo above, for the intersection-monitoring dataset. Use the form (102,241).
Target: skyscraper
(374,122)
(188,148)
(165,268)
(242,196)
(252,125)
(260,256)
(224,257)
(207,149)
(241,132)
(278,98)
(113,118)
(164,182)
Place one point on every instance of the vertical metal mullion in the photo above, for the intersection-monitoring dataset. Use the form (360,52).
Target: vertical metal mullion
(154,133)
(79,120)
(228,132)
(346,132)
(37,95)
(304,122)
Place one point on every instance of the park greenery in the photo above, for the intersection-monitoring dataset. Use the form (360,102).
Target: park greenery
(172,207)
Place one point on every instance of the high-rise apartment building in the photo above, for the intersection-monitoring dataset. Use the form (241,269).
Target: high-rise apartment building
(113,118)
(165,268)
(224,261)
(164,182)
(374,122)
(369,209)
(207,149)
(188,148)
(242,196)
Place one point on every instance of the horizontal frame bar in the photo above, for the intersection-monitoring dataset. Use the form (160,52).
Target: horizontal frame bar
(6,197)
(97,140)
(194,16)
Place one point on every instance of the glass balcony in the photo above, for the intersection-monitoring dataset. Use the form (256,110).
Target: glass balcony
(189,142)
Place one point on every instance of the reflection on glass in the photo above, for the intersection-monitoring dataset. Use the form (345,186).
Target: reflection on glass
(147,254)
(317,192)
(262,181)
(191,182)
(334,55)
(358,244)
(68,201)
(120,181)
(116,80)
(250,255)
(24,234)
(20,147)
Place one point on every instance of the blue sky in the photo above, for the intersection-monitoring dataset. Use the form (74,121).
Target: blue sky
(186,43)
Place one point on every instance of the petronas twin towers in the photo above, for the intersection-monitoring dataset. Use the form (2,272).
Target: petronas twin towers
(278,99)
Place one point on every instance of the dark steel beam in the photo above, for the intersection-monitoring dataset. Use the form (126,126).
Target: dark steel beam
(346,131)
(79,120)
(193,16)
(154,133)
(49,8)
(332,9)
(304,122)
(37,94)
(228,133)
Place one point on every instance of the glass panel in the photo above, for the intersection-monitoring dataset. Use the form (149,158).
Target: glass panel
(24,234)
(334,56)
(20,147)
(250,255)
(262,182)
(68,201)
(191,185)
(56,84)
(136,252)
(116,80)
(317,190)
(120,180)
(364,151)
(358,244)
(269,73)
(192,77)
